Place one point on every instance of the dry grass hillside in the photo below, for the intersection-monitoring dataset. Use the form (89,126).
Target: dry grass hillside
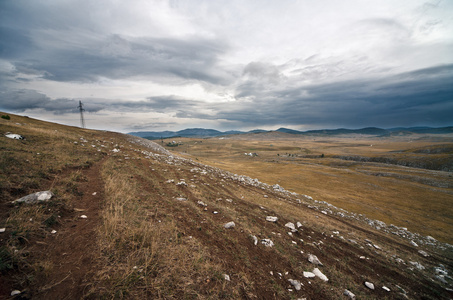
(130,220)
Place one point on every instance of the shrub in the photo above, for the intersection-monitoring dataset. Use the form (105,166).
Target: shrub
(6,117)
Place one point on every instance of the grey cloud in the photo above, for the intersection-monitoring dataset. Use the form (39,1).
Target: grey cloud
(405,99)
(22,100)
(64,43)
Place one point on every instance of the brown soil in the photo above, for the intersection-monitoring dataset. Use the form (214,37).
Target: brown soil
(72,251)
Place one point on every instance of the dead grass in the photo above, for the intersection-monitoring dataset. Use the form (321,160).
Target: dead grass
(393,194)
(147,257)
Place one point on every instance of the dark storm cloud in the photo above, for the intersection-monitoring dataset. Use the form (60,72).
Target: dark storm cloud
(23,100)
(77,49)
(420,97)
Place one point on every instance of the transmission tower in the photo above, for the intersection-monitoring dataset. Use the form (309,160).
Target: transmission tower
(82,120)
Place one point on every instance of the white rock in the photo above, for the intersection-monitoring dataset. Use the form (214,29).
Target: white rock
(255,240)
(94,194)
(15,292)
(386,288)
(271,219)
(53,231)
(201,203)
(14,136)
(314,259)
(424,253)
(369,285)
(299,224)
(181,199)
(290,225)
(35,198)
(2,229)
(417,265)
(296,284)
(309,275)
(227,277)
(414,244)
(83,217)
(349,294)
(267,242)
(319,274)
(229,225)
(377,247)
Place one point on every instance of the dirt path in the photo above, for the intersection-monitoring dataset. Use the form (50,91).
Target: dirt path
(71,252)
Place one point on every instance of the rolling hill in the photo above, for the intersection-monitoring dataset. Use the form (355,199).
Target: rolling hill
(129,219)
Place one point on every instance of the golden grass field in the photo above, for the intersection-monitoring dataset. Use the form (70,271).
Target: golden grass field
(416,198)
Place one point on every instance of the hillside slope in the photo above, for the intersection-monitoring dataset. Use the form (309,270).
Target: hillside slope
(130,220)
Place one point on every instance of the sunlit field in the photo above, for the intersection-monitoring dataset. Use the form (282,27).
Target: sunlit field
(402,180)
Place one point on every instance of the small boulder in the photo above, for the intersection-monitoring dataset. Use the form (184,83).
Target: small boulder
(267,242)
(35,198)
(309,275)
(290,226)
(349,294)
(14,136)
(271,219)
(296,284)
(314,259)
(319,274)
(369,285)
(229,225)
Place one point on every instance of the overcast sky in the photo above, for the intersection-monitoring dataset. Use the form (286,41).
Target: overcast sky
(236,64)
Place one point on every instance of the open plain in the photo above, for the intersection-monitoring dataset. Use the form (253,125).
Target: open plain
(405,180)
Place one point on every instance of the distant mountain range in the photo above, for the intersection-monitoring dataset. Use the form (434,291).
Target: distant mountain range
(202,132)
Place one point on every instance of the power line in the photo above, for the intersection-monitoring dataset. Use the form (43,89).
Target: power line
(82,120)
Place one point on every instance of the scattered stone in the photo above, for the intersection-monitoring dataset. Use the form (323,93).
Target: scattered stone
(400,260)
(53,231)
(271,219)
(369,285)
(296,284)
(309,275)
(314,259)
(215,212)
(423,253)
(14,136)
(377,247)
(417,265)
(201,203)
(94,194)
(414,244)
(362,257)
(2,229)
(35,198)
(267,242)
(229,225)
(349,294)
(386,288)
(319,274)
(83,217)
(181,199)
(115,150)
(229,200)
(227,277)
(15,292)
(299,224)
(255,240)
(290,226)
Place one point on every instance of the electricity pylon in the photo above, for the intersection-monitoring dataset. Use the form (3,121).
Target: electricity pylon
(82,120)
